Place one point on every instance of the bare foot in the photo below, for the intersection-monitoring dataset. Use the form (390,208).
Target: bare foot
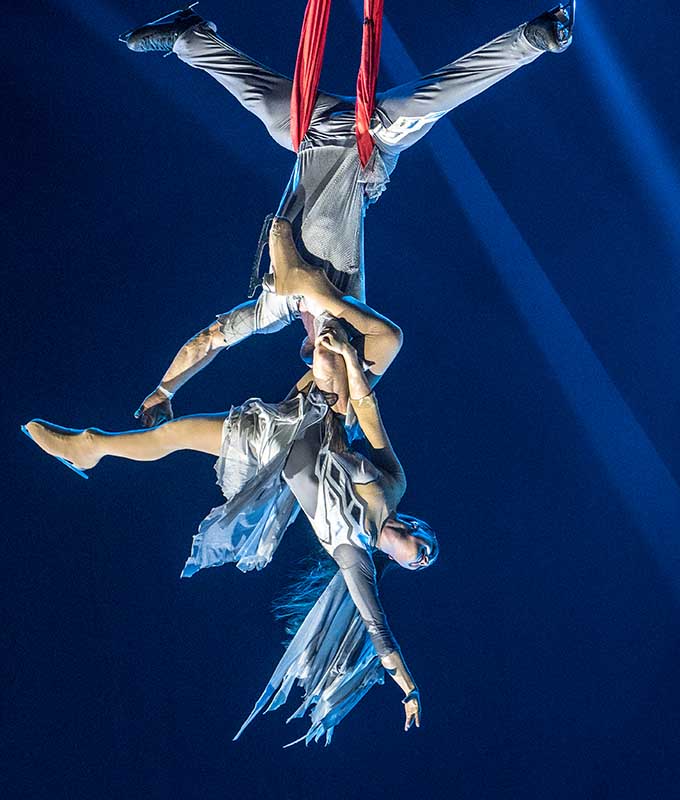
(292,274)
(78,447)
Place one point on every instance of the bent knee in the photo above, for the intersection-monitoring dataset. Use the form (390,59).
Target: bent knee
(391,342)
(396,336)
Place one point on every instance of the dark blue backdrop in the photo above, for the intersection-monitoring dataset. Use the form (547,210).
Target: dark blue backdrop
(534,407)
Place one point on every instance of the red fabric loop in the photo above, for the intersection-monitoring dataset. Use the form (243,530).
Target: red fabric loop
(368,76)
(308,68)
(308,71)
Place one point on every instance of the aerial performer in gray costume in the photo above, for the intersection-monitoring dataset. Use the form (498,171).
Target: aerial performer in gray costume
(274,459)
(332,183)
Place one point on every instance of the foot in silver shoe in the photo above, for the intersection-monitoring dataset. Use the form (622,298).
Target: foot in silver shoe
(160,35)
(552,31)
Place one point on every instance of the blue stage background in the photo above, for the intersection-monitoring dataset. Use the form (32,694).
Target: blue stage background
(535,406)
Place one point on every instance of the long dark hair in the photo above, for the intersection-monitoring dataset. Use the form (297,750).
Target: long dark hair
(308,584)
(309,580)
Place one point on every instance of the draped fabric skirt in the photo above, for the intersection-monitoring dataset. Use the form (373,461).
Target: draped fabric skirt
(331,656)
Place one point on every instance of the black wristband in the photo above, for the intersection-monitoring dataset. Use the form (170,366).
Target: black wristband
(414,694)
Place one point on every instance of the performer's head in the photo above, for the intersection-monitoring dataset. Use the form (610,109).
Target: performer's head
(409,541)
(328,366)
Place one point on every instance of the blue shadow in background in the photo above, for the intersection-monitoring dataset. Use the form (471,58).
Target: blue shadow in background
(535,406)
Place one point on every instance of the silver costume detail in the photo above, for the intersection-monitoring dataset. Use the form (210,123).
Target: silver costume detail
(339,516)
(328,192)
(332,660)
(335,655)
(258,316)
(256,440)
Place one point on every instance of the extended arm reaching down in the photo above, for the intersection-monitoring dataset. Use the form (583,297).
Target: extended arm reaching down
(267,314)
(359,574)
(195,354)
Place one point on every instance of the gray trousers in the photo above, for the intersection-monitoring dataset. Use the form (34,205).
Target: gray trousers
(403,115)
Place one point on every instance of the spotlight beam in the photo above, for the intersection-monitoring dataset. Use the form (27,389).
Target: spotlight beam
(106,23)
(637,472)
(635,469)
(650,158)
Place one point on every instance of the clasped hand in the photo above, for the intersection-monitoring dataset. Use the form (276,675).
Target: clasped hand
(333,337)
(155,409)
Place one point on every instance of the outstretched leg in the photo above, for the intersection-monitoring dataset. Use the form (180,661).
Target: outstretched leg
(407,112)
(260,90)
(263,92)
(84,449)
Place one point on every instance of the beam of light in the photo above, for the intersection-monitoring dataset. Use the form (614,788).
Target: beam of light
(650,158)
(635,469)
(106,23)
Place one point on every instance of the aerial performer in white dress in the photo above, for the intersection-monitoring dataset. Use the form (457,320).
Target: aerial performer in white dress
(341,167)
(274,459)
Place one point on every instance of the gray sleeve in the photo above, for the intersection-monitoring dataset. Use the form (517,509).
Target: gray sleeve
(359,573)
(268,314)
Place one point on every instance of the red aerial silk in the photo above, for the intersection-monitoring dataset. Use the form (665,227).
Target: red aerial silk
(368,76)
(308,71)
(308,68)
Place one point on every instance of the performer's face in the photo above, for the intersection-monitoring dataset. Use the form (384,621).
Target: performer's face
(408,549)
(327,364)
(422,554)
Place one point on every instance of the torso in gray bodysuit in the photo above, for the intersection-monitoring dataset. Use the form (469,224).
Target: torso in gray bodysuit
(329,191)
(325,202)
(341,531)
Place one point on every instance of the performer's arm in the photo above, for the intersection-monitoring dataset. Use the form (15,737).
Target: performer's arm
(367,413)
(368,416)
(267,314)
(399,672)
(198,352)
(381,339)
(358,571)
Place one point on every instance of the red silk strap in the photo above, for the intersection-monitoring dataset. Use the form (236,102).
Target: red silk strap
(308,71)
(368,76)
(308,68)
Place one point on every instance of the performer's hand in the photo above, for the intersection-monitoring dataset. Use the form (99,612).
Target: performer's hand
(155,409)
(333,337)
(412,709)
